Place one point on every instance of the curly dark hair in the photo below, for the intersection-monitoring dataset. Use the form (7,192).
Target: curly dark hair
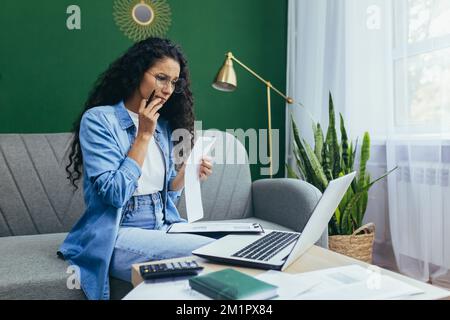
(122,79)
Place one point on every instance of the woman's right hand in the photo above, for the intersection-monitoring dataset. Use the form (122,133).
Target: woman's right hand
(148,117)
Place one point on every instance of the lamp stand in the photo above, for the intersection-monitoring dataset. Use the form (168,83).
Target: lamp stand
(269,113)
(231,82)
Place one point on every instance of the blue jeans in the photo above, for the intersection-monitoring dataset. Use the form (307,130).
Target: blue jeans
(142,237)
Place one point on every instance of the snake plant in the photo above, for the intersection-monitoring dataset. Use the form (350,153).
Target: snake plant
(330,159)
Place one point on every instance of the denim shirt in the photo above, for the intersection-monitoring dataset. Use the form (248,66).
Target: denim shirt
(110,179)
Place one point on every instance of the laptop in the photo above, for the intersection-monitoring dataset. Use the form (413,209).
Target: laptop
(278,249)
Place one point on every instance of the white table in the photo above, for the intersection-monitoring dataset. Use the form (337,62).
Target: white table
(316,258)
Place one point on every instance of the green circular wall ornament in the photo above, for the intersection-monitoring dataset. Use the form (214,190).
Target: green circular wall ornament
(140,19)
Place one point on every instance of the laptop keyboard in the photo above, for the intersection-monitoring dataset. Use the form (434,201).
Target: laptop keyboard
(268,246)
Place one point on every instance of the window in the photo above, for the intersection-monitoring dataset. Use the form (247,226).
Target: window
(422,64)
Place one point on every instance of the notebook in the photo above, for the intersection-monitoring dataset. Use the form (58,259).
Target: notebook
(230,284)
(215,227)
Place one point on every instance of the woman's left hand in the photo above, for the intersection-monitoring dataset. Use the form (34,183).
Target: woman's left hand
(205,168)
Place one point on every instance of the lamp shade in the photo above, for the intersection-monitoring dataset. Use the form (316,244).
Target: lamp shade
(226,77)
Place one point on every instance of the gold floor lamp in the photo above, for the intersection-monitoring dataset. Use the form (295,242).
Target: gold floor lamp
(226,81)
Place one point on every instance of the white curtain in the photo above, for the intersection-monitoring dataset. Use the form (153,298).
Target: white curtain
(418,139)
(387,64)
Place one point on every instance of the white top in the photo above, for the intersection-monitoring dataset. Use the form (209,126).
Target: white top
(153,169)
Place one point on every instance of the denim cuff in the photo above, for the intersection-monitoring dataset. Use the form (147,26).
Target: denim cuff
(174,195)
(131,167)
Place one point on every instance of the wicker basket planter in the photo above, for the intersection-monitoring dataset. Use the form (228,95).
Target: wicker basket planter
(358,246)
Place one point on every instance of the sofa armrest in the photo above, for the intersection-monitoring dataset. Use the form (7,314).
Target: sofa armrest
(287,202)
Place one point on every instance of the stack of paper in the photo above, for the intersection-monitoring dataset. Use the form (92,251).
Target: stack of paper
(343,283)
(168,289)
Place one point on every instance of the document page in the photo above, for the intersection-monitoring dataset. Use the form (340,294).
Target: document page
(167,289)
(354,282)
(192,192)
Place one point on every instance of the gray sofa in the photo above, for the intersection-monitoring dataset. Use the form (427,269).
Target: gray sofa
(38,208)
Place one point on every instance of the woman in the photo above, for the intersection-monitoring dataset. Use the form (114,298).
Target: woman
(123,144)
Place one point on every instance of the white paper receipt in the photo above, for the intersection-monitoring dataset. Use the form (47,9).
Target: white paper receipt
(192,192)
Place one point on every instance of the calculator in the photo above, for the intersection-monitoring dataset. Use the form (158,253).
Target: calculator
(170,269)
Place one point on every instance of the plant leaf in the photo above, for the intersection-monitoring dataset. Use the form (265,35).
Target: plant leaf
(326,164)
(337,218)
(345,200)
(365,154)
(362,208)
(344,147)
(350,212)
(291,172)
(318,141)
(358,218)
(353,154)
(319,175)
(332,226)
(300,164)
(332,141)
(306,160)
(368,186)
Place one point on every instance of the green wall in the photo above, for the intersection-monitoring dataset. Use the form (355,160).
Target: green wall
(47,70)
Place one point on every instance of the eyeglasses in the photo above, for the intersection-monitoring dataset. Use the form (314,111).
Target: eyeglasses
(163,80)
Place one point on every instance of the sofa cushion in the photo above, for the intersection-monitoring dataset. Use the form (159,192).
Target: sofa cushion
(35,195)
(30,269)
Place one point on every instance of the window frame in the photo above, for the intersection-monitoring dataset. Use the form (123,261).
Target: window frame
(402,50)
